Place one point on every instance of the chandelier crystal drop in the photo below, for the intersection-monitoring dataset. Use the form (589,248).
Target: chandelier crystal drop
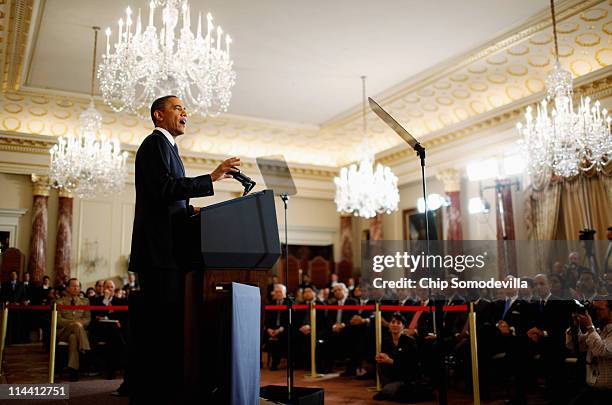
(87,163)
(560,140)
(146,63)
(362,189)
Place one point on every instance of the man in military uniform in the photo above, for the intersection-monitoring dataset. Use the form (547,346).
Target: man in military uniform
(71,324)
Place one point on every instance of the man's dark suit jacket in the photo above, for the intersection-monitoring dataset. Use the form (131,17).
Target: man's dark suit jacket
(10,294)
(162,204)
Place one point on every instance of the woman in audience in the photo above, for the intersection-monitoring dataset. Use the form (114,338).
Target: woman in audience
(557,285)
(400,372)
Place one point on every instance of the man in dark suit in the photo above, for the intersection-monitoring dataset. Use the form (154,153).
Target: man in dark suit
(108,329)
(158,254)
(303,328)
(276,324)
(12,292)
(344,342)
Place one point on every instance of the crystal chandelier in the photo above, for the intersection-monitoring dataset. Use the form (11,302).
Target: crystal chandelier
(147,64)
(560,141)
(83,164)
(363,190)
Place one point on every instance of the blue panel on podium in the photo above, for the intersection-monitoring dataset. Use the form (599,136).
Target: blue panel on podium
(246,312)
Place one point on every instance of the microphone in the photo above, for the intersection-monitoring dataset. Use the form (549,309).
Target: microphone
(245,180)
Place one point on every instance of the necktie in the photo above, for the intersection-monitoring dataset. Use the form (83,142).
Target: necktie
(73,302)
(339,313)
(176,148)
(278,314)
(506,307)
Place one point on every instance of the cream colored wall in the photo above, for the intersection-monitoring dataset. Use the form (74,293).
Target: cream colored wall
(16,192)
(102,227)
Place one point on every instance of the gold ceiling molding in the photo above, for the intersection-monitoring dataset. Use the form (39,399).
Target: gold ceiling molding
(503,74)
(567,10)
(15,23)
(451,98)
(599,88)
(40,145)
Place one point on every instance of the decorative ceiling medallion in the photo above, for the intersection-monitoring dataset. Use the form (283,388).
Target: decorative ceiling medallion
(534,85)
(588,39)
(478,86)
(442,85)
(477,107)
(426,92)
(604,57)
(13,97)
(517,70)
(477,70)
(496,100)
(580,67)
(39,99)
(12,108)
(565,51)
(607,28)
(514,93)
(518,50)
(61,114)
(538,61)
(568,27)
(444,100)
(459,77)
(498,59)
(446,120)
(594,14)
(461,94)
(37,111)
(541,39)
(429,107)
(412,99)
(64,103)
(461,114)
(497,78)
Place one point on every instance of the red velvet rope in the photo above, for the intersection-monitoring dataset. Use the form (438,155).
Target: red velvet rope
(445,308)
(69,307)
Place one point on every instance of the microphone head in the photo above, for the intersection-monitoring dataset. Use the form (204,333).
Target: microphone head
(248,186)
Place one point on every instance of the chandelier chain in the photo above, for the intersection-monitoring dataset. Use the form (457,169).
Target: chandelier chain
(554,23)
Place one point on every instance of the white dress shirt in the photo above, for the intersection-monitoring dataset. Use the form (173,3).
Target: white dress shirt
(167,135)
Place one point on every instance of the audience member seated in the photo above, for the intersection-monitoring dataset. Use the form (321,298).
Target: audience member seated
(586,286)
(109,329)
(342,334)
(400,371)
(597,343)
(276,327)
(306,282)
(71,324)
(132,283)
(302,325)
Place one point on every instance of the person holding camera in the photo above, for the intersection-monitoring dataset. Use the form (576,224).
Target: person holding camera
(597,343)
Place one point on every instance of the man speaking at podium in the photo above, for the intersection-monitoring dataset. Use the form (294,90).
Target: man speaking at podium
(162,208)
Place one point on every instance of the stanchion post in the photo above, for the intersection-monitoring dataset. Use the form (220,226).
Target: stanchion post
(52,344)
(313,340)
(3,333)
(474,353)
(378,326)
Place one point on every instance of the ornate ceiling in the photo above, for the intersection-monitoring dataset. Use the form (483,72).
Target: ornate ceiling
(500,76)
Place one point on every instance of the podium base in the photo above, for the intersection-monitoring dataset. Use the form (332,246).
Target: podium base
(301,395)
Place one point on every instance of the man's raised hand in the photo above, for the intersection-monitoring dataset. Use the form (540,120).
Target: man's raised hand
(222,171)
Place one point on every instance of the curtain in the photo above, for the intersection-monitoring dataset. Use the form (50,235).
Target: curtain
(576,197)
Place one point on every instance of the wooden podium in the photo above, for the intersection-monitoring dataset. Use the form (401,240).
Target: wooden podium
(237,242)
